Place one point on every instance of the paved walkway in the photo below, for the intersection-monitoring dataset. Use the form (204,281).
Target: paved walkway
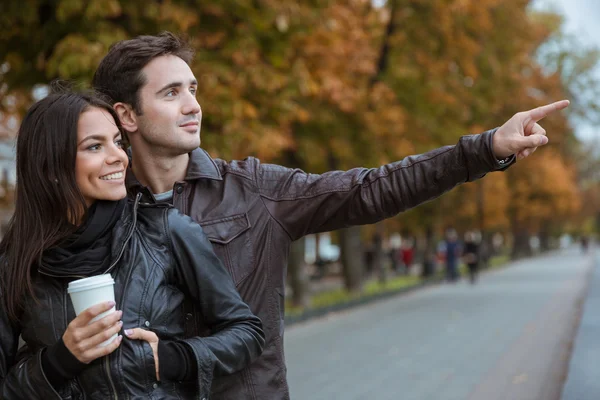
(507,338)
(583,382)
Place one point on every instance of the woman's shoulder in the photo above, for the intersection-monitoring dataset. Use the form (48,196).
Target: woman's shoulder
(146,216)
(180,221)
(158,219)
(168,214)
(184,229)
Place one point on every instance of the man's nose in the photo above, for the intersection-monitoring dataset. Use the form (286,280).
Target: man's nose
(191,105)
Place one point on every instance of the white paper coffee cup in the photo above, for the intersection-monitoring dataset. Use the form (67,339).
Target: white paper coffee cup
(89,292)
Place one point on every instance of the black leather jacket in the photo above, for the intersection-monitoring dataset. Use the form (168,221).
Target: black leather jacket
(160,257)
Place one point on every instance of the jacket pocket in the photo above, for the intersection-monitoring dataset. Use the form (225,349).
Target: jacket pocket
(71,391)
(149,363)
(230,238)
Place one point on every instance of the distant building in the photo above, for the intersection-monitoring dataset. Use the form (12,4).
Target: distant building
(8,179)
(8,159)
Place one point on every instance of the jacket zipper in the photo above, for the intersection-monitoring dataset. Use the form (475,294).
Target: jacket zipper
(106,360)
(129,235)
(107,370)
(125,284)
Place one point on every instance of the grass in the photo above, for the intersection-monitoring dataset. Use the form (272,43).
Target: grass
(373,288)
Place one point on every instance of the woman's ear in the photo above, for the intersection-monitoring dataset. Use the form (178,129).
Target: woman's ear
(127,116)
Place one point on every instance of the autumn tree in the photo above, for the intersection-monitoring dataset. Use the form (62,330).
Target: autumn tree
(336,84)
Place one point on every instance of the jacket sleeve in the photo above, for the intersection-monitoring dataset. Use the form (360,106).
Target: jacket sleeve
(24,379)
(236,336)
(307,203)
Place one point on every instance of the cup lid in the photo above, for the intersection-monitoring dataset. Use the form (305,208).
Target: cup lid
(99,280)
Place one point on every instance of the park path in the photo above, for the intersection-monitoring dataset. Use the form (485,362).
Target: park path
(506,338)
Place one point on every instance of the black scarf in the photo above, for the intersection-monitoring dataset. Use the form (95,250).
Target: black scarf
(87,251)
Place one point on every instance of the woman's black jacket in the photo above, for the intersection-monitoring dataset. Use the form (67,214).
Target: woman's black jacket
(159,257)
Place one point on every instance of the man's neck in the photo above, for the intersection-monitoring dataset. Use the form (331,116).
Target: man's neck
(159,173)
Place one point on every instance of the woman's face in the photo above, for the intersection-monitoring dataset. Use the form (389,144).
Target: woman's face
(101,161)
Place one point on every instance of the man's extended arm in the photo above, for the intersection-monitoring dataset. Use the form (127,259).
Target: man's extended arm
(307,203)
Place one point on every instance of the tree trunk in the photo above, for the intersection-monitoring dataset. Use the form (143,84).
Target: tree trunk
(521,247)
(351,255)
(486,249)
(485,245)
(384,52)
(428,256)
(544,235)
(378,254)
(481,206)
(297,274)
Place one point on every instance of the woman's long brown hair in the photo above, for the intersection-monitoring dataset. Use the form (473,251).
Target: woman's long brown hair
(47,198)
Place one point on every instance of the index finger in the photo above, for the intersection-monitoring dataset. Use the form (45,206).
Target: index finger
(538,113)
(90,313)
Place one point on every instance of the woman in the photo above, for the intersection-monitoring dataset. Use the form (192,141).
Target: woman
(71,221)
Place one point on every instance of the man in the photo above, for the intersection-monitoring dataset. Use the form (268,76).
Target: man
(452,255)
(250,211)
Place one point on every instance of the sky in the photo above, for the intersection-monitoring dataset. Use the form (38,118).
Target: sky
(582,18)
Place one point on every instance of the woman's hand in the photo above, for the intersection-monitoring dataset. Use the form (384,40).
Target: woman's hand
(151,338)
(82,338)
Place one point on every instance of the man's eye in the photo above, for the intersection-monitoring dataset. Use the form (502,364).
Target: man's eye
(193,91)
(171,93)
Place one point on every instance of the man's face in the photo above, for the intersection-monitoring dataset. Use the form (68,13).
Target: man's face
(171,116)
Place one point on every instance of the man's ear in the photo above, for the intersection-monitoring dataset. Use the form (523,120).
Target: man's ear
(127,116)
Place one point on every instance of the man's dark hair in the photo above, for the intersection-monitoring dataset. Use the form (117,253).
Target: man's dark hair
(119,75)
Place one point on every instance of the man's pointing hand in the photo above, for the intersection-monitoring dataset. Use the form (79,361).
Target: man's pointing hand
(522,135)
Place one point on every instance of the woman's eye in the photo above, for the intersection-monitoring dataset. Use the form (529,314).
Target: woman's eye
(94,147)
(120,143)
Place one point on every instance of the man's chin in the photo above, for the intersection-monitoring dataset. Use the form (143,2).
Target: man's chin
(166,149)
(194,144)
(193,147)
(181,150)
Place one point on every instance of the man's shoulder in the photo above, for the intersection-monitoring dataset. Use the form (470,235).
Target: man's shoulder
(245,164)
(246,167)
(249,170)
